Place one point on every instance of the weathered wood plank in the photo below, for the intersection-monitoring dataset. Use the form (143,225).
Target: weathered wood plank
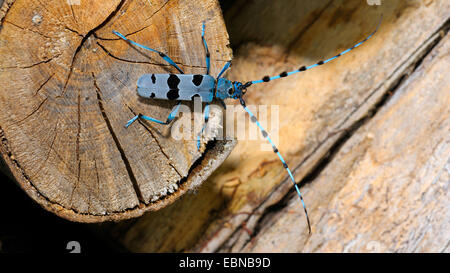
(68,88)
(386,190)
(316,110)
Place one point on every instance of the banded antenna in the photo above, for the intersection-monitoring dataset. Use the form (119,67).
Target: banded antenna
(304,68)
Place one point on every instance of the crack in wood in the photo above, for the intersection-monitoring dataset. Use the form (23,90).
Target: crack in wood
(162,6)
(73,13)
(117,142)
(137,31)
(43,84)
(74,31)
(7,9)
(31,65)
(77,146)
(27,29)
(157,143)
(89,34)
(32,112)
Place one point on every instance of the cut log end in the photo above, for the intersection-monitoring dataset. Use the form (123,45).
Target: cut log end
(70,87)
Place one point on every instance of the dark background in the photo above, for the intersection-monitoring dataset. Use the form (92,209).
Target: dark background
(26,227)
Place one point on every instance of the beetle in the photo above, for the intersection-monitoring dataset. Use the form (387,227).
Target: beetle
(185,87)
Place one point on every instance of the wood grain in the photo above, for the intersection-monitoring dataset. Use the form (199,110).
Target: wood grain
(68,88)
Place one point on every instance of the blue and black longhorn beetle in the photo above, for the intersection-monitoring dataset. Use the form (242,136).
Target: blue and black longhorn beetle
(185,87)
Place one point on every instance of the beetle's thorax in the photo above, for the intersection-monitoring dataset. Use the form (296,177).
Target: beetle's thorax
(225,89)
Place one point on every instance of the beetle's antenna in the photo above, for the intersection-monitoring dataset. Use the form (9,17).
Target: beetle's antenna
(304,68)
(275,150)
(164,56)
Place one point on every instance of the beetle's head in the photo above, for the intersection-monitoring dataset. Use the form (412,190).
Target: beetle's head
(230,90)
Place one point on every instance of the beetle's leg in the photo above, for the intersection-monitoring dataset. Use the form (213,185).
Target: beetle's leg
(204,125)
(164,56)
(222,103)
(225,68)
(170,118)
(208,61)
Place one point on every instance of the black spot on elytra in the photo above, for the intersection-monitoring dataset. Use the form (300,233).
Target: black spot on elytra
(266,79)
(152,95)
(153,79)
(197,80)
(230,91)
(173,81)
(173,94)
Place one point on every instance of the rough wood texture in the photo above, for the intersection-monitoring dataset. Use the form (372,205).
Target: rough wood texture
(386,189)
(68,88)
(347,174)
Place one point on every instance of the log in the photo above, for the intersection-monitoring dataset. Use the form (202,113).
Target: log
(328,135)
(69,87)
